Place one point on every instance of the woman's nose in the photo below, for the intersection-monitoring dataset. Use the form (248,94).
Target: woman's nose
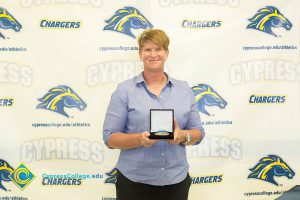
(153,53)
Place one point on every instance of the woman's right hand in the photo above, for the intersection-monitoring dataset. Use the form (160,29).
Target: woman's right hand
(145,141)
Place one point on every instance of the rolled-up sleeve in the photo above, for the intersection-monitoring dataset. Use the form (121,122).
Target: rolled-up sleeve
(194,118)
(116,114)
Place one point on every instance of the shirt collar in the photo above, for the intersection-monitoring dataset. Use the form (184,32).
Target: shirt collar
(140,79)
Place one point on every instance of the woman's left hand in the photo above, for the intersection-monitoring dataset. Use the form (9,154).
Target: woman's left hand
(179,135)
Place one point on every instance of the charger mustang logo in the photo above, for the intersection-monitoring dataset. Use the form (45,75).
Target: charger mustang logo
(5,171)
(60,97)
(7,21)
(271,166)
(206,96)
(125,19)
(267,18)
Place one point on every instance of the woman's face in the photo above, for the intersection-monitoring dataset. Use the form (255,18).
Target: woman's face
(153,56)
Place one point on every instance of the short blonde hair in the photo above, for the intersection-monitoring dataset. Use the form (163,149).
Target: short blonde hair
(157,36)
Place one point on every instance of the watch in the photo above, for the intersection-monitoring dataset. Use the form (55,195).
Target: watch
(187,138)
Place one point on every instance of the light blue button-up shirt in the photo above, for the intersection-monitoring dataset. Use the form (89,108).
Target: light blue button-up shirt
(129,112)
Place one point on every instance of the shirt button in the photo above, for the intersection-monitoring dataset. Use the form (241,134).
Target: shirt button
(162,154)
(162,168)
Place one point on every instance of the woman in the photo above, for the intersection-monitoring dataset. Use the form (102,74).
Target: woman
(152,169)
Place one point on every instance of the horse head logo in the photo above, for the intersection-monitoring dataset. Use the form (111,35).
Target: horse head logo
(267,18)
(60,97)
(112,176)
(7,21)
(5,171)
(125,19)
(271,166)
(206,96)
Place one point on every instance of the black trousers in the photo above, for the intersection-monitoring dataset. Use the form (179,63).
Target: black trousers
(129,190)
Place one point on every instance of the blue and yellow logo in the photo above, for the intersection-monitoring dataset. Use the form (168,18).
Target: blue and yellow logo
(7,21)
(60,97)
(206,96)
(269,167)
(112,176)
(126,19)
(22,176)
(267,18)
(5,171)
